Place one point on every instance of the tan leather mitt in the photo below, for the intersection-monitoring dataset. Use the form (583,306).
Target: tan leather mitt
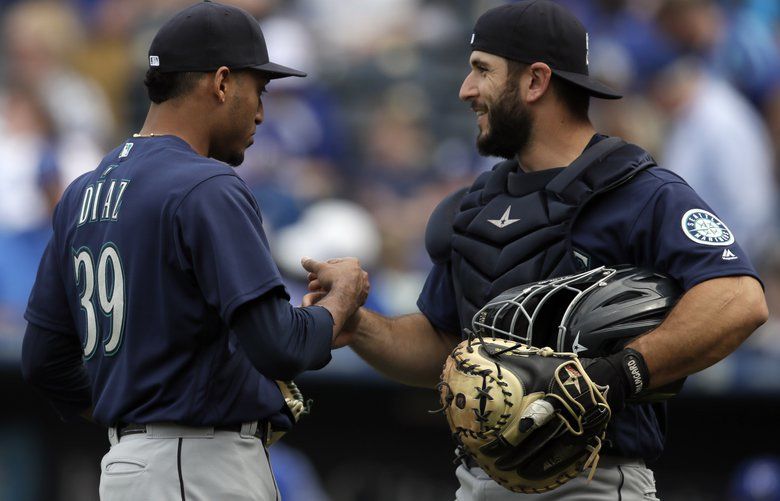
(530,417)
(296,407)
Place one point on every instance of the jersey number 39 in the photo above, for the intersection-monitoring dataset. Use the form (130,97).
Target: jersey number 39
(109,281)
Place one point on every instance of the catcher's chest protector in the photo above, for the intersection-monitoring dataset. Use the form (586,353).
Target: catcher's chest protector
(509,233)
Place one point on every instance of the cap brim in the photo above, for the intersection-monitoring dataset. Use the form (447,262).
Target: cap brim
(278,71)
(594,88)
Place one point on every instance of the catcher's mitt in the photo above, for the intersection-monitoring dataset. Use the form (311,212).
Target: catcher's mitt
(296,407)
(530,417)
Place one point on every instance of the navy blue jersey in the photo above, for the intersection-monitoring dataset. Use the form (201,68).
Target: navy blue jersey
(656,221)
(152,253)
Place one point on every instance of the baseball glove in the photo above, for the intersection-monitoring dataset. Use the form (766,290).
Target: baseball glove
(296,406)
(530,417)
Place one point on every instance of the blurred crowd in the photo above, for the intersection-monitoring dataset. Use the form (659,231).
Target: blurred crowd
(352,159)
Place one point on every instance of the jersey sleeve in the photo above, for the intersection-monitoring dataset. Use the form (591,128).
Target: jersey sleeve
(437,299)
(219,238)
(48,303)
(677,232)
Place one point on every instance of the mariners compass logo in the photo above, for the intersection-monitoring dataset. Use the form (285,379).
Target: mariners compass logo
(704,227)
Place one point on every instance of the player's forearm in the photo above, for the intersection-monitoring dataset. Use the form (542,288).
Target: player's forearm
(282,341)
(407,349)
(710,321)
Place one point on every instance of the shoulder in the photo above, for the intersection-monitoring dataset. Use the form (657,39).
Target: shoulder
(171,159)
(622,206)
(647,184)
(217,185)
(215,196)
(185,175)
(75,187)
(195,168)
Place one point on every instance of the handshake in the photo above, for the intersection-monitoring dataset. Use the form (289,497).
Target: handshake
(341,286)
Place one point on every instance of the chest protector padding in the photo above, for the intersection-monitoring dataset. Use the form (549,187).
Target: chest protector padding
(505,232)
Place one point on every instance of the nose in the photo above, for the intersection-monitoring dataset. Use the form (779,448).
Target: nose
(259,115)
(468,89)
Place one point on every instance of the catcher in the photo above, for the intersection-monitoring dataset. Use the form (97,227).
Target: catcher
(566,200)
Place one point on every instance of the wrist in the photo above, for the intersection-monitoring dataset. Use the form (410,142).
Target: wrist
(633,369)
(625,373)
(353,322)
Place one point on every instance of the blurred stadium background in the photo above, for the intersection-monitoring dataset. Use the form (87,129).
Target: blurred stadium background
(351,161)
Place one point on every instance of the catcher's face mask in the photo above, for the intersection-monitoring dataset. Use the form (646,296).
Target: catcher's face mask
(592,313)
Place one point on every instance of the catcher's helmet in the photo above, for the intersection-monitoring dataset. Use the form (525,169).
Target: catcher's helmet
(594,313)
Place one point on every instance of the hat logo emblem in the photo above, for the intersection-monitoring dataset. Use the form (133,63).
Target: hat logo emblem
(154,61)
(471,42)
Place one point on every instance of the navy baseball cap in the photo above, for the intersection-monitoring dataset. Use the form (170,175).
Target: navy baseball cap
(208,35)
(540,31)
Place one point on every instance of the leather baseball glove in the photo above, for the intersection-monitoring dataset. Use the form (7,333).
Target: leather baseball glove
(296,407)
(530,417)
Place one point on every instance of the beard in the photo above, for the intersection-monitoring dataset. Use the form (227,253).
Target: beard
(509,127)
(235,159)
(232,158)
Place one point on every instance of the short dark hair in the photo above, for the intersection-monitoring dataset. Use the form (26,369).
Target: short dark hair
(577,100)
(162,86)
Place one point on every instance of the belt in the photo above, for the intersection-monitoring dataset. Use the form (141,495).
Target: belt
(122,430)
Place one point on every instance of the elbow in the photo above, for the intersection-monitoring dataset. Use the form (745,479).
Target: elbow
(284,368)
(757,313)
(755,309)
(36,375)
(279,364)
(32,372)
(753,313)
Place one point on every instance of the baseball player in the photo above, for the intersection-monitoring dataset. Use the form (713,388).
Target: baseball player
(566,199)
(157,310)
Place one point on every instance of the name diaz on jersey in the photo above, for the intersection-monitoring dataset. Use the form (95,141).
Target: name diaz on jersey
(101,201)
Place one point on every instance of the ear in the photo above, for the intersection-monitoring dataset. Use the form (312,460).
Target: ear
(221,81)
(540,76)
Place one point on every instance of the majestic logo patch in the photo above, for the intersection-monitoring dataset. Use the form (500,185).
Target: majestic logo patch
(126,150)
(704,227)
(504,221)
(728,255)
